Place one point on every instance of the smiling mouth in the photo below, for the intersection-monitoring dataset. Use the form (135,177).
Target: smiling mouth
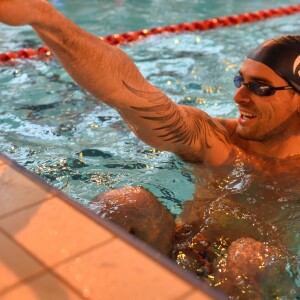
(246,115)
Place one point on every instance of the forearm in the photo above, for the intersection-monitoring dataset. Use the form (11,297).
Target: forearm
(92,63)
(112,77)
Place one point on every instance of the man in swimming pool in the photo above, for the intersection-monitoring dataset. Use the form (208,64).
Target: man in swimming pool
(268,102)
(268,98)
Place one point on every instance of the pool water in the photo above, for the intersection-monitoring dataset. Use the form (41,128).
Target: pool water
(59,131)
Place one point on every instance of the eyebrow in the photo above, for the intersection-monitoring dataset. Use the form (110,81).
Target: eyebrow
(256,78)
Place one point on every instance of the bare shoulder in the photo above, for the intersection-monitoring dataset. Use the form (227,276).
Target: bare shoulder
(228,124)
(212,142)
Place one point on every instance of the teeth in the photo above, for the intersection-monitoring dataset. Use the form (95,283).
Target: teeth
(246,114)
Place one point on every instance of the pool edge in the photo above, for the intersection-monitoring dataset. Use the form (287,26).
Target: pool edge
(130,240)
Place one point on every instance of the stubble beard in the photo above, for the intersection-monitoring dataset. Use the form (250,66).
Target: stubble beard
(263,135)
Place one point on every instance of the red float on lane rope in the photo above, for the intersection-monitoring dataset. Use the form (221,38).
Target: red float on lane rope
(26,53)
(127,37)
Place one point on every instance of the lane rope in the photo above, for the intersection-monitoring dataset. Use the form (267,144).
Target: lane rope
(127,37)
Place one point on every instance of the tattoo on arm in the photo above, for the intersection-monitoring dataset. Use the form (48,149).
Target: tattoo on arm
(163,110)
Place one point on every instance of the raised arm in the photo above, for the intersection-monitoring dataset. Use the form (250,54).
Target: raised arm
(111,76)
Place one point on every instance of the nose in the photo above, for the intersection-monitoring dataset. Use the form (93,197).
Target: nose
(242,94)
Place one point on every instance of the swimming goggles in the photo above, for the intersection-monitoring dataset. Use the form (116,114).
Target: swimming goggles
(258,88)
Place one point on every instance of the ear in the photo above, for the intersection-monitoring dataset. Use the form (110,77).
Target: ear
(294,100)
(297,96)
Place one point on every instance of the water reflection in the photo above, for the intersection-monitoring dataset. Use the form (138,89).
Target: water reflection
(241,231)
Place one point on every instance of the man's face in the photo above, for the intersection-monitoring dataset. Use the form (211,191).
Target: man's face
(264,118)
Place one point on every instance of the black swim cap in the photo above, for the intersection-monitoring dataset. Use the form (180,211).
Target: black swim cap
(282,55)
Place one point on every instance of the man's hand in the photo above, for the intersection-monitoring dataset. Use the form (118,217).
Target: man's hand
(18,12)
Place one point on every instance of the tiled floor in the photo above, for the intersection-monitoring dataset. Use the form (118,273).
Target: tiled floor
(51,248)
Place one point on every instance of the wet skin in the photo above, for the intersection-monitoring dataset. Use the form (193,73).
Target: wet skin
(267,127)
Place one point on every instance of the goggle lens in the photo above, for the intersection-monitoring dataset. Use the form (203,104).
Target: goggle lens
(258,88)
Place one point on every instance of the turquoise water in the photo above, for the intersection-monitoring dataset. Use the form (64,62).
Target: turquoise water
(47,120)
(60,132)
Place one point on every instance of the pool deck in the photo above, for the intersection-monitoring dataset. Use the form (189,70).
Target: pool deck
(54,248)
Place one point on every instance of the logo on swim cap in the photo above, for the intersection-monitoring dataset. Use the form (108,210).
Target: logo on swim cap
(296,67)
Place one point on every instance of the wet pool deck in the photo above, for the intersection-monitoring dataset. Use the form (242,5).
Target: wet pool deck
(53,248)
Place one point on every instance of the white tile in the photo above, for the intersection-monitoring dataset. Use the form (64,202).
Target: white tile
(117,271)
(45,287)
(15,263)
(18,191)
(54,231)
